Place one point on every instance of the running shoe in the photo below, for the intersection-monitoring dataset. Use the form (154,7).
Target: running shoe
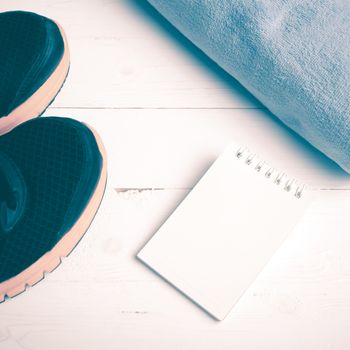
(52,179)
(34,63)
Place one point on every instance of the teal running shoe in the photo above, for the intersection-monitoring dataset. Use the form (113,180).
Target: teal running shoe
(34,63)
(52,180)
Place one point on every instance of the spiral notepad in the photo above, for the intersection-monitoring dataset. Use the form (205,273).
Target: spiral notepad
(224,232)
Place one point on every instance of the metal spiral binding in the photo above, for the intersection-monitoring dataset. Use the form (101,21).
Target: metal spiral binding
(279,178)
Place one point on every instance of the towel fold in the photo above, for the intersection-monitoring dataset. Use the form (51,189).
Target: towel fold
(293,55)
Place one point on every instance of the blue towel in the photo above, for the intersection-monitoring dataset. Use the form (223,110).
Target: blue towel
(293,55)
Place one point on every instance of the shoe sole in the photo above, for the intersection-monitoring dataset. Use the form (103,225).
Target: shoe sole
(35,105)
(52,259)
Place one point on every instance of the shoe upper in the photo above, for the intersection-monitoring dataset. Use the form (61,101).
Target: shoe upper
(50,168)
(31,48)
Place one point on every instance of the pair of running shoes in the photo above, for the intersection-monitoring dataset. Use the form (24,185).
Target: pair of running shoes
(52,169)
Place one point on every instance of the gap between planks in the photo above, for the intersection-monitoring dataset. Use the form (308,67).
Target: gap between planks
(159,108)
(143,189)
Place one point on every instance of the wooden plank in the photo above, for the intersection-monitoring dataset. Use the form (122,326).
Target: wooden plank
(124,55)
(172,148)
(102,296)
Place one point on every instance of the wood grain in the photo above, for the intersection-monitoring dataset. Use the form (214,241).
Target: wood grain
(165,112)
(102,296)
(171,148)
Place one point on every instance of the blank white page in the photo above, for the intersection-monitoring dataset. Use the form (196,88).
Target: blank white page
(220,237)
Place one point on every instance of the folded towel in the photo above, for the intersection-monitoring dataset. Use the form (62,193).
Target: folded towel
(293,55)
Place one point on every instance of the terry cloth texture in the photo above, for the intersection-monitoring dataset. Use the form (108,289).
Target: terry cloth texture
(293,55)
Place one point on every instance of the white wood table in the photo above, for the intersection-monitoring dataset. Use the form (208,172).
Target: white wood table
(165,112)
